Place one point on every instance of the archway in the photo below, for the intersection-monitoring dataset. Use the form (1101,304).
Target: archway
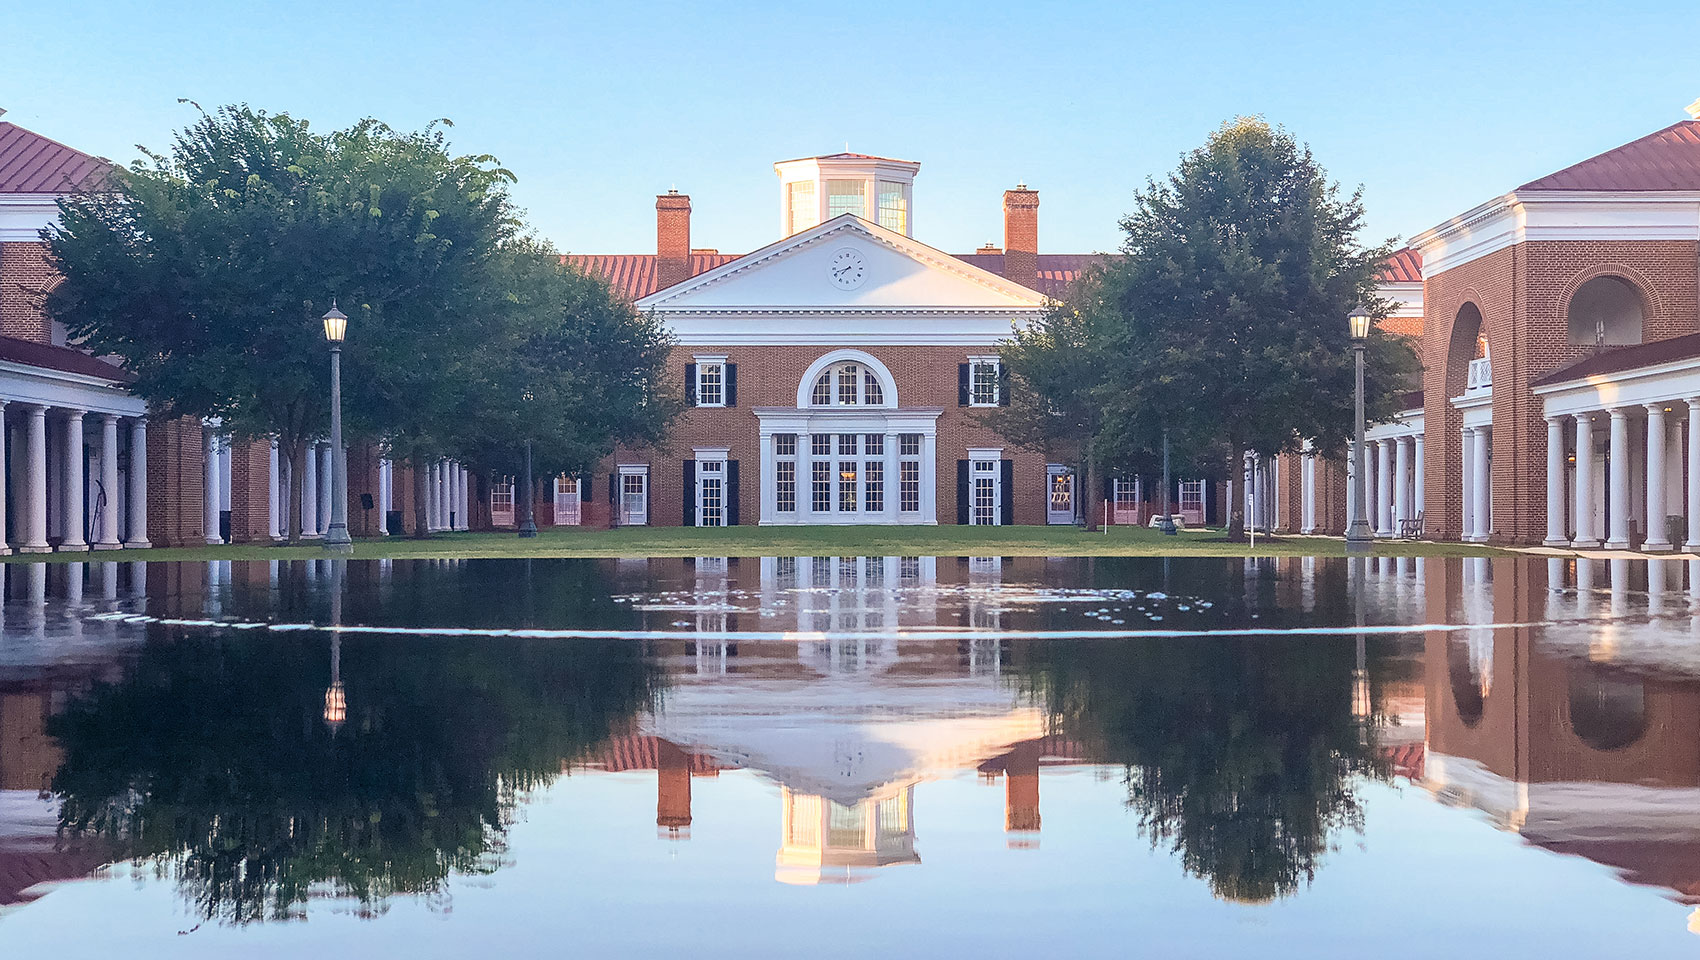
(1605,312)
(1468,342)
(1606,713)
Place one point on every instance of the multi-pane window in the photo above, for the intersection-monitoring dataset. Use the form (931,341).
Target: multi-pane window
(785,472)
(873,480)
(711,384)
(909,473)
(711,495)
(820,444)
(634,498)
(848,375)
(847,444)
(985,500)
(821,499)
(846,196)
(983,383)
(805,209)
(847,385)
(847,483)
(893,206)
(873,444)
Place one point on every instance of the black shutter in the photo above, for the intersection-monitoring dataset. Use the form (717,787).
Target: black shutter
(690,496)
(584,487)
(1110,489)
(1003,387)
(731,493)
(961,491)
(614,499)
(1006,474)
(648,499)
(962,384)
(690,384)
(731,384)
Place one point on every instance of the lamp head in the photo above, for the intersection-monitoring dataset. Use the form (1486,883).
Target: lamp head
(336,324)
(1358,323)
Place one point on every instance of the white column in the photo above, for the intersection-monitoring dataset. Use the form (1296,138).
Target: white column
(930,478)
(1586,535)
(1417,482)
(1401,482)
(1466,506)
(767,498)
(385,469)
(1384,488)
(1307,492)
(326,486)
(1656,539)
(4,549)
(1556,527)
(466,498)
(106,538)
(138,498)
(434,499)
(35,481)
(274,493)
(1483,483)
(73,495)
(892,485)
(209,484)
(309,520)
(460,495)
(1618,505)
(1693,505)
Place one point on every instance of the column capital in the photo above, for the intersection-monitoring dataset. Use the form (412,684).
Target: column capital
(1619,413)
(1658,408)
(1693,403)
(1555,419)
(72,413)
(111,418)
(36,409)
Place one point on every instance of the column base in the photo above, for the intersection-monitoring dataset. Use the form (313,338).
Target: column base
(113,545)
(1657,546)
(138,545)
(1559,542)
(35,548)
(1584,544)
(312,536)
(215,541)
(1615,545)
(71,548)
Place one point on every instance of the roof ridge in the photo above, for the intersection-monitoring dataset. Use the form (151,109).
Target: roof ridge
(1613,156)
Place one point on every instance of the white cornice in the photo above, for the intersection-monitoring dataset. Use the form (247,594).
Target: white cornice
(1528,215)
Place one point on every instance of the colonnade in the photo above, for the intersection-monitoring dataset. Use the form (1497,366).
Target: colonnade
(1632,478)
(447,497)
(1393,486)
(56,498)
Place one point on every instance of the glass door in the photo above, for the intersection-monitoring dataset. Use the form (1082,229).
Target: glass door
(1059,497)
(634,498)
(502,502)
(566,502)
(984,495)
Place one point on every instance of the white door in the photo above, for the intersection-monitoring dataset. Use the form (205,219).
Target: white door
(566,501)
(711,493)
(1124,506)
(985,498)
(502,502)
(1059,496)
(634,498)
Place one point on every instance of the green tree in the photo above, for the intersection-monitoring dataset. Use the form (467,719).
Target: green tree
(206,270)
(572,369)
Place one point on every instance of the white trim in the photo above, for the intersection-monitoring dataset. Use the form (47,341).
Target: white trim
(1517,217)
(1670,383)
(23,383)
(710,453)
(1408,423)
(985,453)
(24,215)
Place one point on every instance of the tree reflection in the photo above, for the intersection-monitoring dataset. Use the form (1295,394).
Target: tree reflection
(210,760)
(1241,755)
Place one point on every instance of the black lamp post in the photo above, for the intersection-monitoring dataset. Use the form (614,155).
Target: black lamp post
(528,522)
(1167,524)
(1359,535)
(336,535)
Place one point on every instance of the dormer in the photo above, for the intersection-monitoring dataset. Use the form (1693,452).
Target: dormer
(813,190)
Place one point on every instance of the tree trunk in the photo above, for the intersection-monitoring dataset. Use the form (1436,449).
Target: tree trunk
(1090,498)
(1236,497)
(297,476)
(421,494)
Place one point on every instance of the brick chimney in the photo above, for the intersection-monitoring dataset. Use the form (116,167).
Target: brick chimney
(1021,235)
(672,238)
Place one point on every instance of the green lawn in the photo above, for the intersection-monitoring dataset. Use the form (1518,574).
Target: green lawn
(752,541)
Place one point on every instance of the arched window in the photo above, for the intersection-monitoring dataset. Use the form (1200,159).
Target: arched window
(1605,312)
(847,384)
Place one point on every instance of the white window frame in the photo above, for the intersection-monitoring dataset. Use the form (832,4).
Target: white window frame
(633,470)
(568,512)
(985,463)
(974,365)
(503,491)
(704,365)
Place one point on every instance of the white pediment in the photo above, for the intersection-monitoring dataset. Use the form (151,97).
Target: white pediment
(796,274)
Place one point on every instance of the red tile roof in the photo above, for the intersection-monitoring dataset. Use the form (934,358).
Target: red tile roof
(1404,266)
(65,359)
(1667,159)
(31,163)
(1619,359)
(633,274)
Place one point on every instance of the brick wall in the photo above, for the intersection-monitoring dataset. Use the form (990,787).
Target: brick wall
(672,238)
(24,277)
(250,491)
(1523,294)
(768,376)
(1021,236)
(176,500)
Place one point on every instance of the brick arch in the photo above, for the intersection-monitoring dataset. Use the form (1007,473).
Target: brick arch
(1652,305)
(1454,366)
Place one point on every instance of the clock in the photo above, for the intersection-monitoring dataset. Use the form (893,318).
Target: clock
(847,269)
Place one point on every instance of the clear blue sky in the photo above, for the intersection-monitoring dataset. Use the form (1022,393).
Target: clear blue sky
(1432,107)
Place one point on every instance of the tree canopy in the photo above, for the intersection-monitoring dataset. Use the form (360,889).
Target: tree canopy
(1223,319)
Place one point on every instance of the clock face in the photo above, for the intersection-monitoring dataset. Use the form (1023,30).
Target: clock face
(846,269)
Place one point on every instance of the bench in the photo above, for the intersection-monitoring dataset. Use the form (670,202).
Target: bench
(1411,529)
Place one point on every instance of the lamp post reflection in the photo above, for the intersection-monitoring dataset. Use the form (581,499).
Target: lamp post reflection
(336,699)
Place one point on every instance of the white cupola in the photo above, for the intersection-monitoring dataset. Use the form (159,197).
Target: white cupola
(815,189)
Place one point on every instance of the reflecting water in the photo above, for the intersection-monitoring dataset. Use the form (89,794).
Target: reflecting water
(915,755)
